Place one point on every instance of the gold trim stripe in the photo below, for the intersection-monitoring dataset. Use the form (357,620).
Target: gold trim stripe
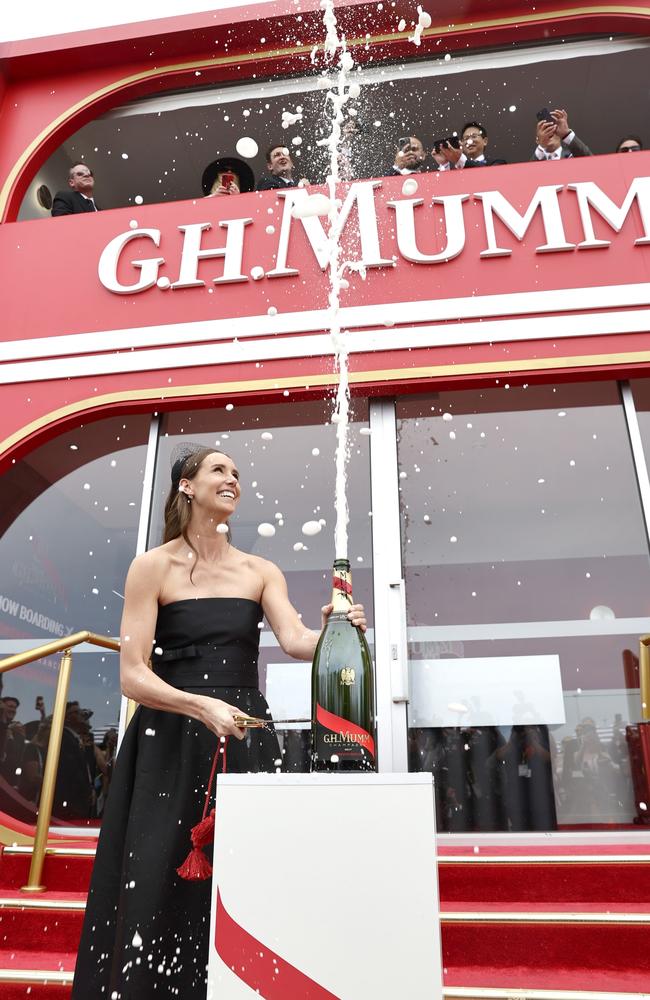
(14,850)
(512,993)
(160,72)
(303,382)
(27,976)
(33,903)
(544,917)
(542,859)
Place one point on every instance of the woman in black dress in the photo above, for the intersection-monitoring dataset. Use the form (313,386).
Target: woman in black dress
(197,602)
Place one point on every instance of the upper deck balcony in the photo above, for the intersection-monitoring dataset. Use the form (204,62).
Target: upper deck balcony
(157,149)
(465,275)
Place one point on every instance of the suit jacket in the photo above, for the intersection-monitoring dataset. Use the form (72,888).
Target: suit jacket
(484,163)
(574,148)
(473,163)
(268,182)
(396,172)
(71,203)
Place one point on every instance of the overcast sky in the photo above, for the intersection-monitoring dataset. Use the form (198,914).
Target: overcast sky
(42,17)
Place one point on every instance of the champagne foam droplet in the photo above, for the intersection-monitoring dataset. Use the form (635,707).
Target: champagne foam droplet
(247,147)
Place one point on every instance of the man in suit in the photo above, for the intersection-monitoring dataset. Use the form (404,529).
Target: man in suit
(473,143)
(556,140)
(79,198)
(279,170)
(409,157)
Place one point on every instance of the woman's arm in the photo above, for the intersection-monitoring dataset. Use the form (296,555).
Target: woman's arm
(295,638)
(137,634)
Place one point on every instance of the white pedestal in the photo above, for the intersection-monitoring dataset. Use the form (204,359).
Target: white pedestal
(325,888)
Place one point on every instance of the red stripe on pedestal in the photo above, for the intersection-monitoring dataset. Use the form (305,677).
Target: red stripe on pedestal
(258,966)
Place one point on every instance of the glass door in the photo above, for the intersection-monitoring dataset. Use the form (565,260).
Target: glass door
(285,454)
(525,561)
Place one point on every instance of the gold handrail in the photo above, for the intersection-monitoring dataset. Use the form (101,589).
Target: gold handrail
(644,676)
(48,648)
(64,646)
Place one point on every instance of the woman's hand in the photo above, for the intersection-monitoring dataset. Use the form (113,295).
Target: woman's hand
(219,716)
(356,615)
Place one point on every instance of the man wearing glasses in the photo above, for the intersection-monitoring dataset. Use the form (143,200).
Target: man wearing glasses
(80,196)
(473,143)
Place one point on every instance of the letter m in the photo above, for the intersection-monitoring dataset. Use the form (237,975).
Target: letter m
(545,199)
(361,194)
(590,196)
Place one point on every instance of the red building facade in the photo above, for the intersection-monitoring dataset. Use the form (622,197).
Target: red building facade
(499,350)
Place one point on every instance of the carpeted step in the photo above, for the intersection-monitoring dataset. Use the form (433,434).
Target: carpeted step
(66,870)
(55,927)
(34,991)
(534,946)
(545,882)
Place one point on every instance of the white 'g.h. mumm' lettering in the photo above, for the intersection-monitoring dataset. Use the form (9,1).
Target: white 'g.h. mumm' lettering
(361,196)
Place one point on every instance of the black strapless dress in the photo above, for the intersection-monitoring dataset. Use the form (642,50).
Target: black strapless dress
(145,933)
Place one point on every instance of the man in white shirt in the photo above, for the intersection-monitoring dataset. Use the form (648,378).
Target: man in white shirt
(80,196)
(409,157)
(556,140)
(469,153)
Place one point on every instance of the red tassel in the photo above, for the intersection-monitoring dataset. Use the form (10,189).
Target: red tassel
(196,867)
(203,832)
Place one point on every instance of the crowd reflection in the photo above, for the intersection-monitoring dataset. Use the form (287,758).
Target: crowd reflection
(85,767)
(518,778)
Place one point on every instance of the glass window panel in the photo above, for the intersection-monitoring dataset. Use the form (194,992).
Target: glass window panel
(641,394)
(520,506)
(287,479)
(581,772)
(69,523)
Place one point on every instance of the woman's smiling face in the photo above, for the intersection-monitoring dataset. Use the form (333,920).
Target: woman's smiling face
(215,486)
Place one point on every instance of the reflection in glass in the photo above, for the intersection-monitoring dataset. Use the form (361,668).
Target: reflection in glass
(285,456)
(68,532)
(523,539)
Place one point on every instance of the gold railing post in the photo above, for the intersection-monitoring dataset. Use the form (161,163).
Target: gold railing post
(46,802)
(644,676)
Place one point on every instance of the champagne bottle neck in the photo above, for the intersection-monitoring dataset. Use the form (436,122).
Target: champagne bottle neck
(341,587)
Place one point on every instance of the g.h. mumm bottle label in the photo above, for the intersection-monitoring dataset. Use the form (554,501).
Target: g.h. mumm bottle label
(337,737)
(343,688)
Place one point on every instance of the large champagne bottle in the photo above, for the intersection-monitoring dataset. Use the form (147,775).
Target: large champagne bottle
(343,688)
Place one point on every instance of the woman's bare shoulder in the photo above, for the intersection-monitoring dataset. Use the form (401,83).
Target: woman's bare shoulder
(263,568)
(153,563)
(248,560)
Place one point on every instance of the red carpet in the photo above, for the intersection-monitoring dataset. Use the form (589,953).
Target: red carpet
(553,917)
